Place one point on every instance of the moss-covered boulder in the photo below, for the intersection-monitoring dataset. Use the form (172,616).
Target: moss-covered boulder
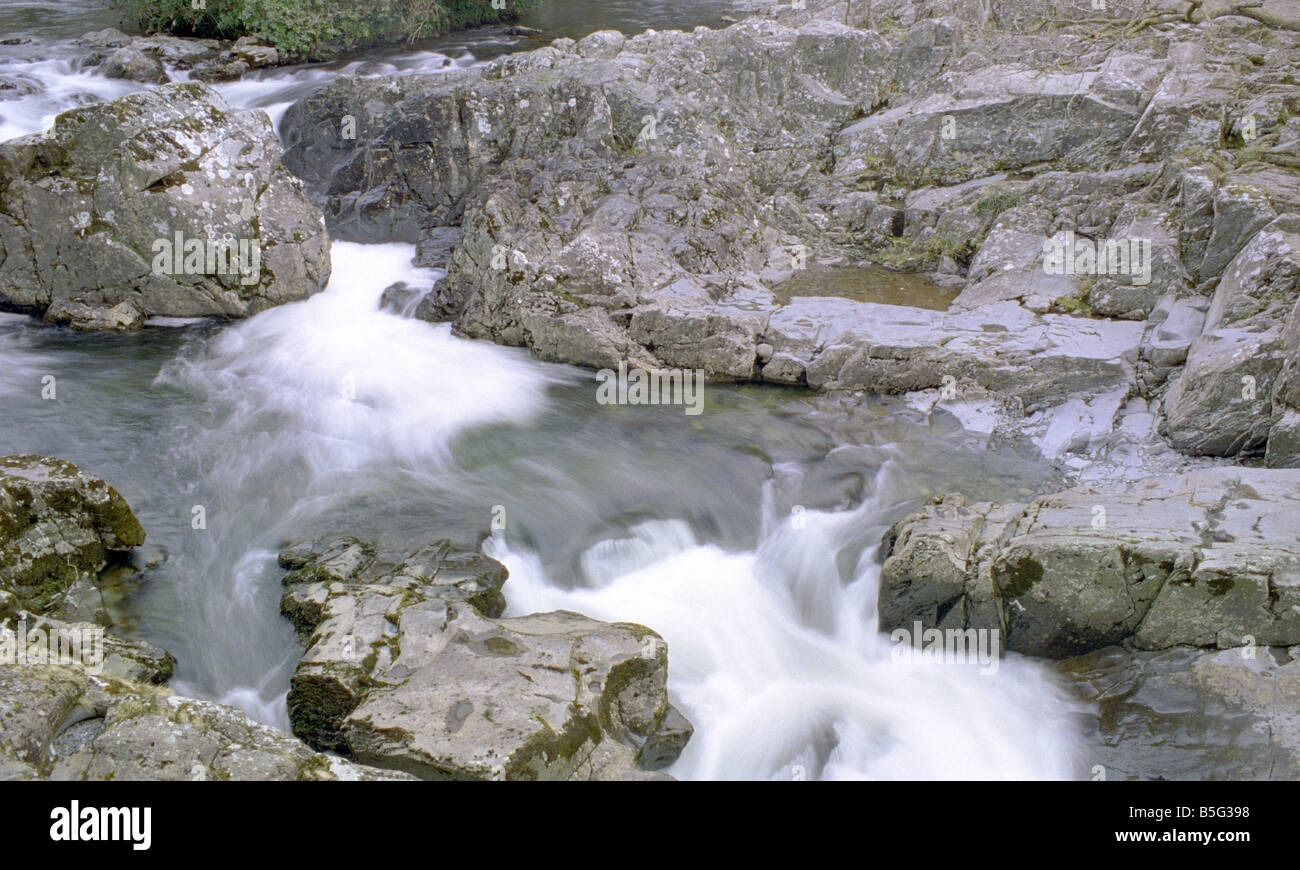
(58,524)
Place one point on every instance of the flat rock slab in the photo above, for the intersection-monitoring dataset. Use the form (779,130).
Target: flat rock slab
(1209,558)
(843,344)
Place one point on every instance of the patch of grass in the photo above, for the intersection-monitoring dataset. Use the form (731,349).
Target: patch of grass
(996,203)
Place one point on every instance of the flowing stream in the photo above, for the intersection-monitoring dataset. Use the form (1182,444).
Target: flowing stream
(747,535)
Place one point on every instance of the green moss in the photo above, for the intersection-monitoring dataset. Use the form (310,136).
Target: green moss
(1220,586)
(879,171)
(1072,305)
(566,296)
(1248,155)
(1076,303)
(314,767)
(903,253)
(1020,576)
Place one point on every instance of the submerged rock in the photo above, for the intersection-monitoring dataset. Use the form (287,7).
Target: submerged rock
(164,201)
(407,668)
(130,63)
(58,524)
(1209,558)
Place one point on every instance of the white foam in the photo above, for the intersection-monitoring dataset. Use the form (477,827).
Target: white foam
(776,661)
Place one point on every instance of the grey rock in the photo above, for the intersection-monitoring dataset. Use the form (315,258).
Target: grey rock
(435,246)
(130,63)
(440,570)
(407,668)
(17,86)
(1202,559)
(1003,348)
(109,37)
(1240,211)
(1004,116)
(254,53)
(1176,323)
(123,316)
(57,524)
(1187,714)
(1238,380)
(111,185)
(95,712)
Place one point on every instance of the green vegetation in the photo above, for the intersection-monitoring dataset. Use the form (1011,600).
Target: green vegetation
(1077,303)
(316,29)
(996,203)
(1020,576)
(904,253)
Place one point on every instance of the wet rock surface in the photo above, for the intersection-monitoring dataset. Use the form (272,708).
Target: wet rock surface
(1187,714)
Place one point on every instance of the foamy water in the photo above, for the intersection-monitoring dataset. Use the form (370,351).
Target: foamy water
(772,696)
(305,403)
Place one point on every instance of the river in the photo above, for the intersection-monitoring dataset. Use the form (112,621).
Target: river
(747,535)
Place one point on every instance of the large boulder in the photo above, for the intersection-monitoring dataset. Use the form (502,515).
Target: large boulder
(134,65)
(1241,375)
(407,669)
(1208,558)
(166,201)
(58,525)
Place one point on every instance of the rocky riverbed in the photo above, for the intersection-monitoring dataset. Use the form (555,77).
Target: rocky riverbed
(1095,221)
